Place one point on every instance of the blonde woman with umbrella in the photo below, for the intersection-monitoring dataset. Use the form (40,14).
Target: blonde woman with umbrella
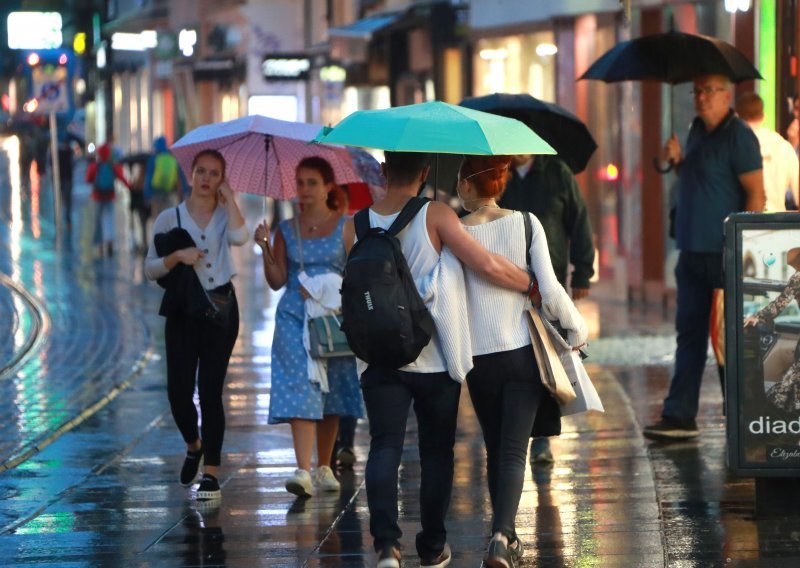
(198,350)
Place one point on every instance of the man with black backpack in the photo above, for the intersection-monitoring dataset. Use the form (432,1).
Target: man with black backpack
(396,242)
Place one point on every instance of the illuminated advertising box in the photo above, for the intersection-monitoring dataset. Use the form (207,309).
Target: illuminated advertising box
(34,30)
(762,322)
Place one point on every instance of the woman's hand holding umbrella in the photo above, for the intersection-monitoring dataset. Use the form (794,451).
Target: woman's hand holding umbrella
(262,239)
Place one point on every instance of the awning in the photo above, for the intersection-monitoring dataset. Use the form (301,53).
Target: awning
(350,44)
(365,27)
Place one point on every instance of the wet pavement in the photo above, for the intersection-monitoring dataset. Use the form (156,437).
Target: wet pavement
(90,455)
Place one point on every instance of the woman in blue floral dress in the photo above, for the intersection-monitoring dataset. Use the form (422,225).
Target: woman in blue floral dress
(294,398)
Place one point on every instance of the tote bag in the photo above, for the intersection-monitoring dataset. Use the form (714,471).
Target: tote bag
(586,395)
(551,368)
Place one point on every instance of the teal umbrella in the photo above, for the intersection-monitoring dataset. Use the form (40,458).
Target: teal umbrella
(435,127)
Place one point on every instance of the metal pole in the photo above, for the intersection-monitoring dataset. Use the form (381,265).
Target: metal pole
(267,139)
(56,173)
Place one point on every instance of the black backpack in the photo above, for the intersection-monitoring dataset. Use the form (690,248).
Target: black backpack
(383,316)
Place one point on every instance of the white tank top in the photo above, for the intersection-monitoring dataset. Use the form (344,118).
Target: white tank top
(422,258)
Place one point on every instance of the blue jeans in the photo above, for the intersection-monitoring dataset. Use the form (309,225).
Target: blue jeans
(388,395)
(506,390)
(697,275)
(104,222)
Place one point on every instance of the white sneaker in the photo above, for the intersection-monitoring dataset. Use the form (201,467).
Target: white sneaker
(325,479)
(300,484)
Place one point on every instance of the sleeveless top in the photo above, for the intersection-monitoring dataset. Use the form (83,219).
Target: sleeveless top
(422,259)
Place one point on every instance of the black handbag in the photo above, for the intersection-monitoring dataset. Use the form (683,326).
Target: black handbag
(220,306)
(325,336)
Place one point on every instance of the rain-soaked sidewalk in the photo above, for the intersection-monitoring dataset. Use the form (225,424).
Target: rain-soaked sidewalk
(90,454)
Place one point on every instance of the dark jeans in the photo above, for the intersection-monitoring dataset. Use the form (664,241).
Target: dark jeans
(697,275)
(347,431)
(198,350)
(66,200)
(388,395)
(505,389)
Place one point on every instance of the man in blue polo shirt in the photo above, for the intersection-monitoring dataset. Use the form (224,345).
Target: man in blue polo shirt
(719,174)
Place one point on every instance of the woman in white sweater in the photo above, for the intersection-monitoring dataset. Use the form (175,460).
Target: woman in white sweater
(504,384)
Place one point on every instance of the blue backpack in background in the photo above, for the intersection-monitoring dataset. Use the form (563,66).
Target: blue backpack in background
(104,179)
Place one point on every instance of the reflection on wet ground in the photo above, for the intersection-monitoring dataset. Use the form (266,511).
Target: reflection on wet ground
(105,493)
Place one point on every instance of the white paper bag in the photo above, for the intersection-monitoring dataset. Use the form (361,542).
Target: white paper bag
(587,398)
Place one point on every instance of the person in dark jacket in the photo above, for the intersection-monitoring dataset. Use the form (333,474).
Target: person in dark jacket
(66,155)
(545,186)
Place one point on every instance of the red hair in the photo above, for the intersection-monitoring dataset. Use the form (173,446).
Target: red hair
(488,174)
(336,199)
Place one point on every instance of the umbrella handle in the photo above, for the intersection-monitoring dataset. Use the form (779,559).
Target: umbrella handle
(662,170)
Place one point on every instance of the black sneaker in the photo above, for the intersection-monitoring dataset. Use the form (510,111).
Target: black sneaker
(191,465)
(208,489)
(515,549)
(346,457)
(440,561)
(671,429)
(498,556)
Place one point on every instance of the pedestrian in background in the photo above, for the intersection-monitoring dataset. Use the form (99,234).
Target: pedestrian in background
(719,173)
(198,350)
(545,186)
(140,210)
(311,410)
(780,163)
(427,382)
(67,145)
(504,385)
(162,178)
(102,174)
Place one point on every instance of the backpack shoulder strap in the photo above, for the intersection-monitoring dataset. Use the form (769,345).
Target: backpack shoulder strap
(408,212)
(361,223)
(526,218)
(178,216)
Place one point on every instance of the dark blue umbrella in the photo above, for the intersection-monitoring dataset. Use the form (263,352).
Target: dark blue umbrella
(564,131)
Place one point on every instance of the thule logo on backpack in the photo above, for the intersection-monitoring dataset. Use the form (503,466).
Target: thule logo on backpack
(368,298)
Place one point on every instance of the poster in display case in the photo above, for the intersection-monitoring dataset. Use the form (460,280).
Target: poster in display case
(762,322)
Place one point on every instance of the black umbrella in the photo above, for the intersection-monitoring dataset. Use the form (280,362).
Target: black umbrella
(136,158)
(671,57)
(564,131)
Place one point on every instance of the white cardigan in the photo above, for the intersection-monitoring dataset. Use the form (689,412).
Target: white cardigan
(497,314)
(445,295)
